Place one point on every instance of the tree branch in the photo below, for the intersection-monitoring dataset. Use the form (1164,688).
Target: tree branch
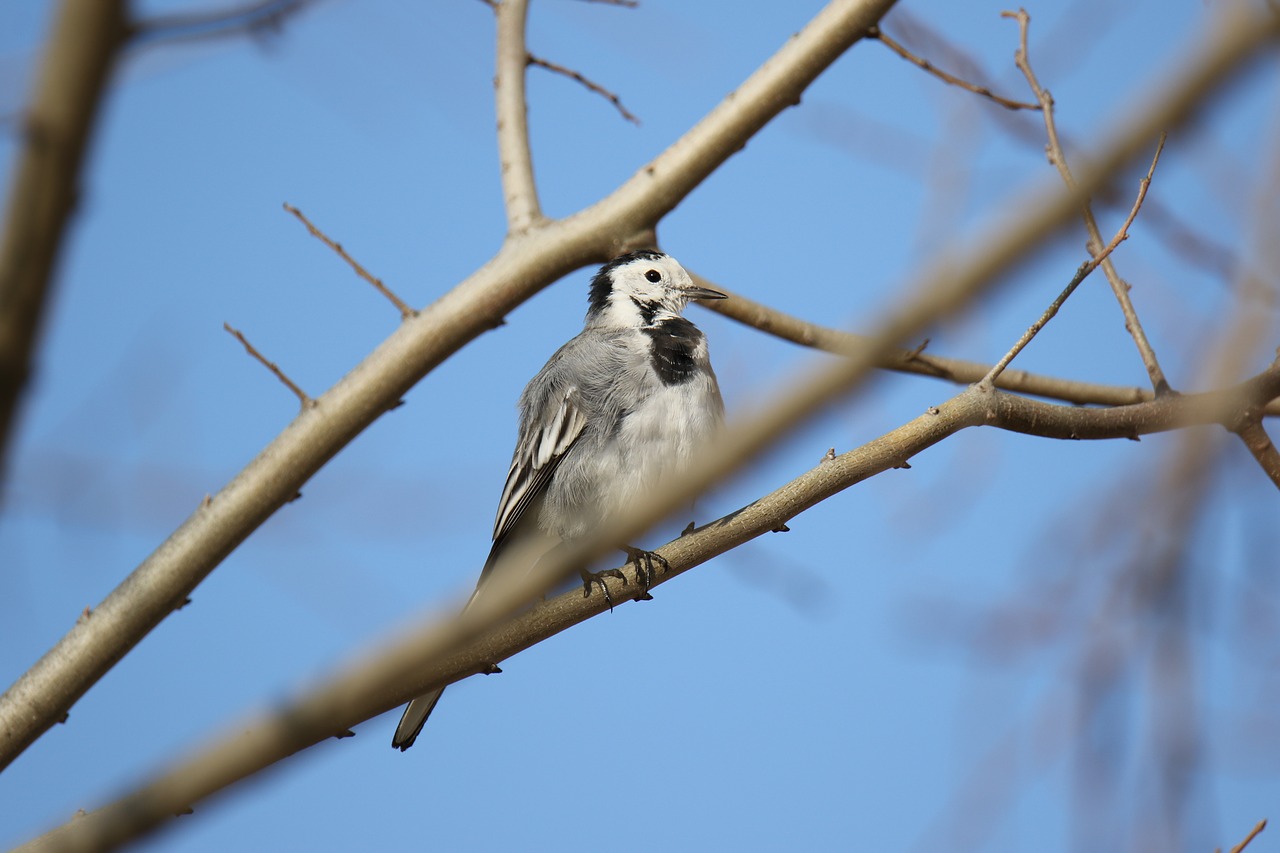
(443,653)
(1100,257)
(401,306)
(1057,156)
(304,400)
(925,65)
(959,371)
(250,17)
(525,264)
(44,188)
(518,187)
(591,85)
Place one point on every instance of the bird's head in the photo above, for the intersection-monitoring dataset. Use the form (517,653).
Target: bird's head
(640,288)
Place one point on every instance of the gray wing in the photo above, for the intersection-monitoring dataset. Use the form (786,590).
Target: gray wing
(542,446)
(538,452)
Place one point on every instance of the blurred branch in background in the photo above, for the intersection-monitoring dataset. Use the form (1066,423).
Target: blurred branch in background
(255,19)
(44,190)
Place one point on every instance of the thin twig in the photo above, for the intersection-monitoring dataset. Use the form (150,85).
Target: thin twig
(593,86)
(1057,156)
(945,77)
(405,310)
(251,17)
(1081,274)
(306,401)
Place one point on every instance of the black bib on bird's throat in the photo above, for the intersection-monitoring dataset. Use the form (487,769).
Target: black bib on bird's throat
(672,344)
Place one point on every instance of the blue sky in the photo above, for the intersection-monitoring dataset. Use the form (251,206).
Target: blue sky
(900,671)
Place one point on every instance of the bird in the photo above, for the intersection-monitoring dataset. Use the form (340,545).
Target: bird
(628,401)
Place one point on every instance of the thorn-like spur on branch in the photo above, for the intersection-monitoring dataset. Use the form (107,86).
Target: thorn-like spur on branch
(1259,444)
(1081,274)
(591,85)
(925,65)
(1058,157)
(306,401)
(405,311)
(1253,833)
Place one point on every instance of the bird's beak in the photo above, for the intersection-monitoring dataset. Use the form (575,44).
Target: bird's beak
(704,293)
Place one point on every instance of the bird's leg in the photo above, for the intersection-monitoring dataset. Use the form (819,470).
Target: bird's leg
(645,561)
(589,578)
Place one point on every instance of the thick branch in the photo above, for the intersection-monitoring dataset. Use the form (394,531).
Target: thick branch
(524,265)
(441,654)
(656,189)
(46,182)
(514,152)
(959,371)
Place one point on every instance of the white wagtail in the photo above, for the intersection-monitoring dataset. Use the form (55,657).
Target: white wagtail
(630,399)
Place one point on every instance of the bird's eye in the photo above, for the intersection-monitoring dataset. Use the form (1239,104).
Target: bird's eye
(653,276)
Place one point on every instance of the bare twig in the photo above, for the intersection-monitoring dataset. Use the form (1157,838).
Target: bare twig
(1081,274)
(45,183)
(1253,833)
(306,401)
(591,85)
(254,17)
(1058,157)
(945,77)
(404,309)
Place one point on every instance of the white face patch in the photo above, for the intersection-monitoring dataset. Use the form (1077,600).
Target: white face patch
(645,291)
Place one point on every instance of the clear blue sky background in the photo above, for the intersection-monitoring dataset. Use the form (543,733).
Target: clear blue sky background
(901,671)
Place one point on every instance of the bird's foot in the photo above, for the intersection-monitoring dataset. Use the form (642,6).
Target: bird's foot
(597,578)
(645,562)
